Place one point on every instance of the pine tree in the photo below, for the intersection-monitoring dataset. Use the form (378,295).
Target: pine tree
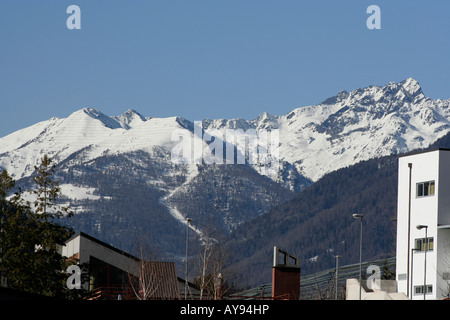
(29,238)
(47,192)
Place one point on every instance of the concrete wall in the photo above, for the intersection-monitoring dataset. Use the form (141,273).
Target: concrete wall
(432,211)
(86,247)
(423,211)
(385,290)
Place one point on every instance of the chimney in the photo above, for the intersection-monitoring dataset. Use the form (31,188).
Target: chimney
(285,275)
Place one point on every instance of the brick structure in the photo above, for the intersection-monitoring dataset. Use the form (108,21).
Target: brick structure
(285,276)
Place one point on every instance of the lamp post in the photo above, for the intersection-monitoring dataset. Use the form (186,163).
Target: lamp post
(188,221)
(420,227)
(360,216)
(412,265)
(409,231)
(337,277)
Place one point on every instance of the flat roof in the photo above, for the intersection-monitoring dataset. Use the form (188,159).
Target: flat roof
(422,151)
(104,244)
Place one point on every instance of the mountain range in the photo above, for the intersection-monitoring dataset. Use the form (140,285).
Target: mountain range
(120,178)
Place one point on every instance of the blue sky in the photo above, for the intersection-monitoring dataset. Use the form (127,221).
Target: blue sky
(210,58)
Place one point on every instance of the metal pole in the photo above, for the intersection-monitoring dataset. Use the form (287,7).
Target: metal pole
(409,232)
(360,260)
(337,276)
(412,265)
(425,266)
(360,252)
(425,247)
(186,262)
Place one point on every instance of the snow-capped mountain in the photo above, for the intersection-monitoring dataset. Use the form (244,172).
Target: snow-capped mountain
(342,130)
(354,126)
(106,165)
(101,158)
(86,129)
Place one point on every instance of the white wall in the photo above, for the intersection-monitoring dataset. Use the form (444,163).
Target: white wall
(402,222)
(425,167)
(87,248)
(71,248)
(443,235)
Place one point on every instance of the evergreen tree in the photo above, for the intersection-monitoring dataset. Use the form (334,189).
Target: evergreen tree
(29,238)
(47,192)
(386,273)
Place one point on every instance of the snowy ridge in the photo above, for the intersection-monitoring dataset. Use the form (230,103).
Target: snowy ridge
(103,160)
(342,130)
(354,126)
(84,129)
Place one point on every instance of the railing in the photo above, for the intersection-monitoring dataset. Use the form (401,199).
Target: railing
(112,293)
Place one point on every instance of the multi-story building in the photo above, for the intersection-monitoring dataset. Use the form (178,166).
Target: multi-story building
(423,225)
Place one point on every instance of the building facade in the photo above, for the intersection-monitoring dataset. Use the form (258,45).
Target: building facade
(115,274)
(423,225)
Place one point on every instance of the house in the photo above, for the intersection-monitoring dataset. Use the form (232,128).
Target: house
(423,225)
(115,274)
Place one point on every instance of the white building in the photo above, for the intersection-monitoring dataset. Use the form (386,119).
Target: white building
(424,200)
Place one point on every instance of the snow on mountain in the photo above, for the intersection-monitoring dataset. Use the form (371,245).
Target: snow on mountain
(313,140)
(353,126)
(360,125)
(119,175)
(130,118)
(87,129)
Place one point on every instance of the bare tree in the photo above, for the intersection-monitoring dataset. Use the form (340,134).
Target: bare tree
(146,276)
(212,258)
(444,272)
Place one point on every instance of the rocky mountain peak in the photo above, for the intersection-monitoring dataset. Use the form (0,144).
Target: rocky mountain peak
(130,118)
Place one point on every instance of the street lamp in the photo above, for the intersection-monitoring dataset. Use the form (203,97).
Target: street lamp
(412,265)
(188,221)
(420,227)
(360,216)
(337,277)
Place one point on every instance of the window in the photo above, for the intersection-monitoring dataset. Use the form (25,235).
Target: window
(421,244)
(419,289)
(425,189)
